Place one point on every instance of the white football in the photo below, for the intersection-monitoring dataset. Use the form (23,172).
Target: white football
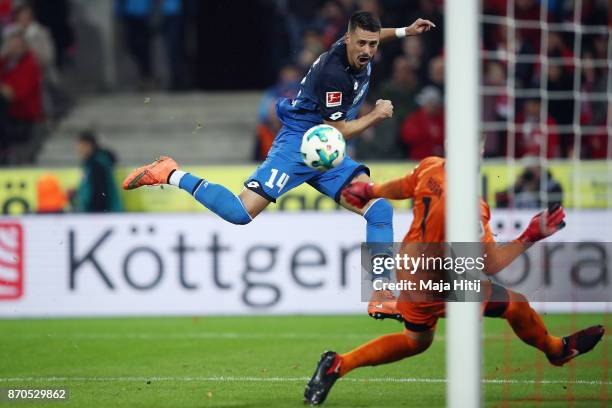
(323,147)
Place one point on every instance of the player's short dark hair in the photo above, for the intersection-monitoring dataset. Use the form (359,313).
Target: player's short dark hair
(364,20)
(88,136)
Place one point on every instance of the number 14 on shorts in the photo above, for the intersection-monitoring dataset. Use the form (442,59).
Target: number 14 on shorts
(280,183)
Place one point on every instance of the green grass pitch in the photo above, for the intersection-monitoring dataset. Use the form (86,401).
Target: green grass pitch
(265,362)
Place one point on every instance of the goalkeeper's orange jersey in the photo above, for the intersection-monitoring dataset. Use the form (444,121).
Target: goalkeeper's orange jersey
(426,185)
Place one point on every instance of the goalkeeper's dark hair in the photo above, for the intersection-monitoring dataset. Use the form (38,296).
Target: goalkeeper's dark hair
(364,20)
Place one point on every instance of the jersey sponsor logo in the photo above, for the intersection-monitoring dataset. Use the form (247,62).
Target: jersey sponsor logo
(11,261)
(333,99)
(336,116)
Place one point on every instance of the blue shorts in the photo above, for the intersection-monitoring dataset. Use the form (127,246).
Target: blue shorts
(284,169)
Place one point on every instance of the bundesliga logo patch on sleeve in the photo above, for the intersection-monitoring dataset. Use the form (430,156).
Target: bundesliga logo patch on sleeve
(333,99)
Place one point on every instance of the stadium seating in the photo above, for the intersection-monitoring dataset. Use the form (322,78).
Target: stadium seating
(195,128)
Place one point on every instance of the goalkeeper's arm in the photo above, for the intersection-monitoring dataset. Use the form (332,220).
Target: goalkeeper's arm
(543,225)
(359,193)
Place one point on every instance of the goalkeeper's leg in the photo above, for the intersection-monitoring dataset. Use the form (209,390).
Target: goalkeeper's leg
(382,350)
(525,321)
(529,327)
(386,349)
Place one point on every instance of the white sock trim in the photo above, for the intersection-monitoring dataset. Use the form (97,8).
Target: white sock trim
(245,210)
(176,177)
(371,205)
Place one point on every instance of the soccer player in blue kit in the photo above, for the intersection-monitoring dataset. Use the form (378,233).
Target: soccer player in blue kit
(331,92)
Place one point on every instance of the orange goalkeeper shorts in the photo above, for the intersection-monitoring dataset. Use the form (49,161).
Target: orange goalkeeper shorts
(423,316)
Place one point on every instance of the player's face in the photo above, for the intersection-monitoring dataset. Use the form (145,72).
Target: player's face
(361,45)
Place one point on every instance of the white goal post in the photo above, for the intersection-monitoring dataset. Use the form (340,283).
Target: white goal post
(462,106)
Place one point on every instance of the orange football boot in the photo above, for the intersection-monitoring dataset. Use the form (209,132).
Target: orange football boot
(383,305)
(152,174)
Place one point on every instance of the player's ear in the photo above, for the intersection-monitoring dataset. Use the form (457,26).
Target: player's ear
(346,37)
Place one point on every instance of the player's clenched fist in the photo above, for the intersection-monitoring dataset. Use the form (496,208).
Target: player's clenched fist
(543,225)
(384,108)
(358,193)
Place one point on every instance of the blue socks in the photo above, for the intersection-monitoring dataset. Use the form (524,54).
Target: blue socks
(379,233)
(216,198)
(224,203)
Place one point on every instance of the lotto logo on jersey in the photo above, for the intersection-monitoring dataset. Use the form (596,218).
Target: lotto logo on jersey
(11,261)
(333,99)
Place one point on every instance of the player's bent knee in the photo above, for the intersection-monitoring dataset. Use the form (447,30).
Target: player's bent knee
(243,220)
(235,214)
(253,203)
(422,340)
(498,304)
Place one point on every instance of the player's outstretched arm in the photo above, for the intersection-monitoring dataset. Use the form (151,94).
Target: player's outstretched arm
(383,110)
(420,26)
(541,226)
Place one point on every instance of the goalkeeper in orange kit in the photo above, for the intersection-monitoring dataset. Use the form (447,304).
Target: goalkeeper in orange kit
(426,185)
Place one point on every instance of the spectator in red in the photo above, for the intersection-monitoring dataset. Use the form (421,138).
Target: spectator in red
(39,40)
(20,89)
(423,131)
(595,144)
(6,10)
(495,7)
(532,138)
(41,45)
(20,77)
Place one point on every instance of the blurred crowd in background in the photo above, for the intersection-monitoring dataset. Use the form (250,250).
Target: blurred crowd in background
(411,74)
(38,43)
(574,77)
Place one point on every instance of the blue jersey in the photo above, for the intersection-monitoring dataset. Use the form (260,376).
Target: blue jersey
(331,91)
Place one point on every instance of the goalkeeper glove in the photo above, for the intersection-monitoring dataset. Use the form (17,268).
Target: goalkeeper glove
(543,225)
(358,193)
